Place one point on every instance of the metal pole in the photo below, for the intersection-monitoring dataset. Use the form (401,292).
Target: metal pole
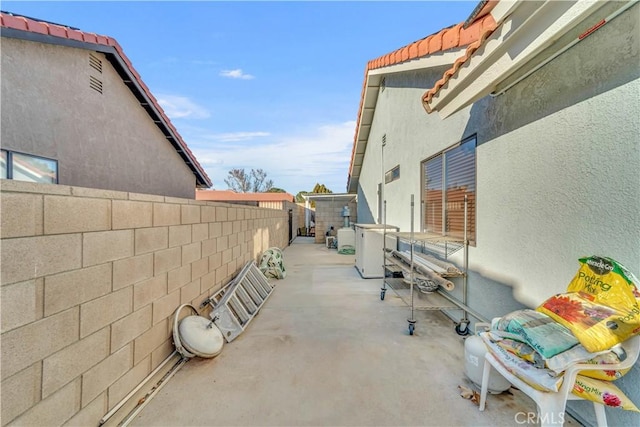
(383,220)
(462,306)
(466,259)
(384,245)
(412,273)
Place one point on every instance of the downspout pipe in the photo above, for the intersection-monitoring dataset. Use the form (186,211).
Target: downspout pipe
(135,390)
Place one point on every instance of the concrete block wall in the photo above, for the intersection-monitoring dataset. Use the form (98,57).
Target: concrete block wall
(300,213)
(329,213)
(90,281)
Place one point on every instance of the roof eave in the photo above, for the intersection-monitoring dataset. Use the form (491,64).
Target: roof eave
(535,26)
(420,54)
(329,196)
(434,60)
(371,90)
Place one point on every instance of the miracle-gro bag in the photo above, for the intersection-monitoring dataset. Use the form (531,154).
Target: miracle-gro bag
(603,392)
(607,281)
(601,307)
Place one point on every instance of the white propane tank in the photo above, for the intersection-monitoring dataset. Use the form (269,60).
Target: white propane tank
(474,351)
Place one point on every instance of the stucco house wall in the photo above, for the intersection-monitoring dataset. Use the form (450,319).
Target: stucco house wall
(556,172)
(90,282)
(100,140)
(416,137)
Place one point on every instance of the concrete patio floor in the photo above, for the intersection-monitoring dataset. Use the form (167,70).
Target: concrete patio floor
(326,351)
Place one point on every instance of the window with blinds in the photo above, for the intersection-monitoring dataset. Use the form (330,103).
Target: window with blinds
(448,177)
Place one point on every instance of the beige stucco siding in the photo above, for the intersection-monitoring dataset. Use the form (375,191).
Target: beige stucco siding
(103,140)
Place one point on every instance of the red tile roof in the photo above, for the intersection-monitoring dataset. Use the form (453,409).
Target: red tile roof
(228,195)
(22,23)
(448,38)
(483,33)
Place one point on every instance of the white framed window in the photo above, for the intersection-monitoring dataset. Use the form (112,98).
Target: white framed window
(3,164)
(447,178)
(26,167)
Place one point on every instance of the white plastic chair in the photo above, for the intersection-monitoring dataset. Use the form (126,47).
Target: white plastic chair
(551,405)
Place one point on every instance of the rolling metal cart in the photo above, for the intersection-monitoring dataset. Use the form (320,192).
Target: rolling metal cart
(415,284)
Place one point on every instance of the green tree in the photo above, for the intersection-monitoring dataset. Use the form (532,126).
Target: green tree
(320,188)
(299,198)
(275,190)
(255,181)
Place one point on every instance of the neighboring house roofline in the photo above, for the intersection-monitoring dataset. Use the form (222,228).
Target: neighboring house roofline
(347,197)
(21,27)
(229,195)
(439,49)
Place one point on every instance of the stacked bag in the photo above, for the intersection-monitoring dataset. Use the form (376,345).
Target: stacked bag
(586,324)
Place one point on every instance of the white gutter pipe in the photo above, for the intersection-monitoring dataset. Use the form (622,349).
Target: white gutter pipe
(175,368)
(135,390)
(569,46)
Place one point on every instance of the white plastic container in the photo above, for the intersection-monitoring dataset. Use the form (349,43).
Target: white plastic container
(474,351)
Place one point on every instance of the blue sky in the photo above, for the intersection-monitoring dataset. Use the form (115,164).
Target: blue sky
(271,85)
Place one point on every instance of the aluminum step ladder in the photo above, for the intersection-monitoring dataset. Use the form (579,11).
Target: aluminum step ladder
(239,302)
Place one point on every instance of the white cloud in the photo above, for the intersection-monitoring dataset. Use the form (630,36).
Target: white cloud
(181,107)
(236,74)
(238,136)
(294,162)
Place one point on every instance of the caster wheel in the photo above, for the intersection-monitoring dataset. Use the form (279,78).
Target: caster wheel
(382,295)
(411,328)
(462,331)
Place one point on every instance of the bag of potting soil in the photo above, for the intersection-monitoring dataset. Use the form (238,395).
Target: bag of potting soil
(607,281)
(522,350)
(608,358)
(536,329)
(539,378)
(603,392)
(601,308)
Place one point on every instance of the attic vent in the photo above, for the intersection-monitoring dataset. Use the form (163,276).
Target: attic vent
(392,175)
(383,84)
(95,84)
(384,139)
(95,63)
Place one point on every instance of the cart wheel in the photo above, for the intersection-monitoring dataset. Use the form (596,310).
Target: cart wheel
(382,292)
(411,328)
(462,331)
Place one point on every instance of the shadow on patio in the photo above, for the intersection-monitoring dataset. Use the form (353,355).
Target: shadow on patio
(325,350)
